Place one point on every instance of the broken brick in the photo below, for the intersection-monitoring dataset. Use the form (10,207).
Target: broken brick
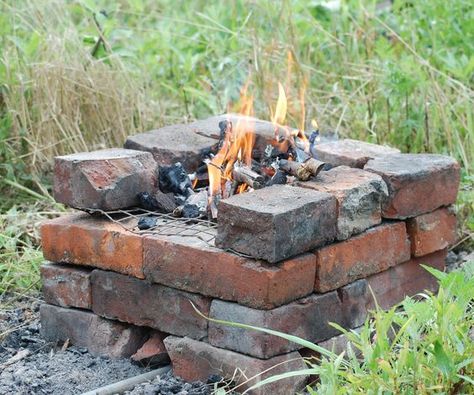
(359,196)
(370,252)
(276,222)
(194,360)
(153,351)
(85,329)
(417,183)
(108,179)
(66,286)
(138,302)
(432,232)
(87,240)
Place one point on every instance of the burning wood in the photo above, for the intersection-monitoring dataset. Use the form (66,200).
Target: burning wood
(245,175)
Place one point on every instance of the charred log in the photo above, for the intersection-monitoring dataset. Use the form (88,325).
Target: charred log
(303,171)
(244,174)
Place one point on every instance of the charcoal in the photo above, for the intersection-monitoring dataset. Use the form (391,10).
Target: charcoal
(313,139)
(147,201)
(195,206)
(174,179)
(278,178)
(301,156)
(160,202)
(146,223)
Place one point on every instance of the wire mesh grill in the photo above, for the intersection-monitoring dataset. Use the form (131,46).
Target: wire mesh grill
(166,224)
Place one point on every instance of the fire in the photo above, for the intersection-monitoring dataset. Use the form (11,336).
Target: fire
(230,170)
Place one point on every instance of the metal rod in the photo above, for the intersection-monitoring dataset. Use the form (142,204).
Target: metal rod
(127,384)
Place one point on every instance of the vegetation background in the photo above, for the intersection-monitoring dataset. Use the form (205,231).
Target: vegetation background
(83,74)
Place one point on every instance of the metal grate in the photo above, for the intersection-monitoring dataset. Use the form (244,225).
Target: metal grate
(166,224)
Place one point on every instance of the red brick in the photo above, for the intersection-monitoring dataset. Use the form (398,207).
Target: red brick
(373,251)
(91,241)
(277,222)
(107,179)
(194,360)
(153,350)
(307,318)
(192,265)
(393,285)
(359,196)
(85,329)
(432,232)
(352,153)
(138,302)
(66,286)
(417,183)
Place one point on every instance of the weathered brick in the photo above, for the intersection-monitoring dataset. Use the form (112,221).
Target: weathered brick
(370,252)
(353,299)
(86,240)
(66,286)
(432,232)
(352,153)
(417,183)
(306,318)
(194,360)
(108,179)
(175,143)
(277,222)
(393,285)
(191,264)
(359,196)
(85,329)
(138,302)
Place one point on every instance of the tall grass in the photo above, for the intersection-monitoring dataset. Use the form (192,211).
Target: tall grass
(401,75)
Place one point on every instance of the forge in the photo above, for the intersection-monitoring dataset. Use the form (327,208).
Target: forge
(244,220)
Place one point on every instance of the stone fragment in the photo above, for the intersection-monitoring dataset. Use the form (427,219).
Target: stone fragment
(371,252)
(86,240)
(153,351)
(393,285)
(85,329)
(277,222)
(352,153)
(66,286)
(359,196)
(193,265)
(108,179)
(432,232)
(194,360)
(417,183)
(307,318)
(138,302)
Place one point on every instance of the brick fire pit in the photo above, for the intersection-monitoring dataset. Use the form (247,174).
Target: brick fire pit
(287,257)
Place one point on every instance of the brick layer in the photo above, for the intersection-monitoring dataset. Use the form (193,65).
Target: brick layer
(128,299)
(393,285)
(66,286)
(192,265)
(432,232)
(370,252)
(90,241)
(85,329)
(194,360)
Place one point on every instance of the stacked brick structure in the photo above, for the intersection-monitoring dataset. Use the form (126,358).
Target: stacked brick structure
(288,258)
